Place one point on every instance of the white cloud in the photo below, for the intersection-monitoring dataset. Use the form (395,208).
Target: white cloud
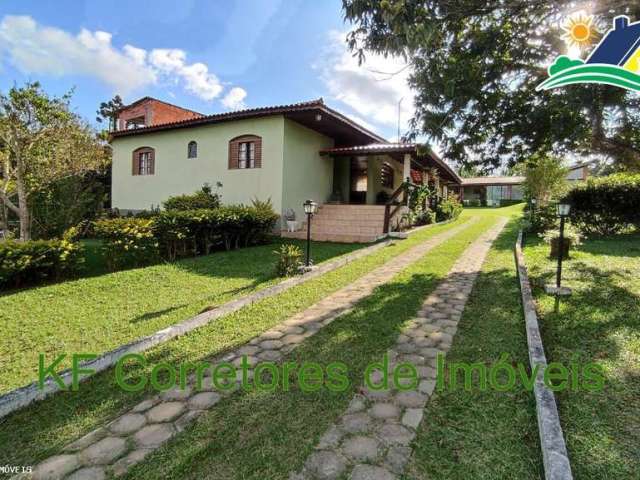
(372,89)
(235,98)
(34,48)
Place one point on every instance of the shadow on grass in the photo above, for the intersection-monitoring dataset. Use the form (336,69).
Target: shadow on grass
(599,322)
(484,434)
(356,338)
(255,262)
(265,435)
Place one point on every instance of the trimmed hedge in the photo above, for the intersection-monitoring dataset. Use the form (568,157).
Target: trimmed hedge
(507,202)
(606,205)
(202,199)
(128,242)
(173,234)
(197,232)
(28,263)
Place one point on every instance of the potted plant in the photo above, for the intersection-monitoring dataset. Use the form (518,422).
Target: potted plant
(290,217)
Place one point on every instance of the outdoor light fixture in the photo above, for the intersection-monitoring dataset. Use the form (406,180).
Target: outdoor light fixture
(310,208)
(318,117)
(563,210)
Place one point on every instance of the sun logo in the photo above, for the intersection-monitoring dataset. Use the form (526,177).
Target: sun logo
(580,31)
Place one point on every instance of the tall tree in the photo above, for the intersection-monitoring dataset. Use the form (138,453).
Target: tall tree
(475,65)
(108,111)
(42,142)
(545,178)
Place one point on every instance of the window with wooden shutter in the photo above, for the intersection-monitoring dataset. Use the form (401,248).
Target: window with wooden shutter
(143,161)
(245,152)
(386,175)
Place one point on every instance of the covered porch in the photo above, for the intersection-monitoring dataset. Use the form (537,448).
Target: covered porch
(369,197)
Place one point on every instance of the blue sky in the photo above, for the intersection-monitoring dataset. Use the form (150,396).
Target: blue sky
(210,56)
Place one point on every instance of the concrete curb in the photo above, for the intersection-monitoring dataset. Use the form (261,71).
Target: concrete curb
(554,450)
(23,396)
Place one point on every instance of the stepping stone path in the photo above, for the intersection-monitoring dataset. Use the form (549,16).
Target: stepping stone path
(114,448)
(372,439)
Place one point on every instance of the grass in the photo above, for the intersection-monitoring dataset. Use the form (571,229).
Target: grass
(41,430)
(260,435)
(475,434)
(100,313)
(599,322)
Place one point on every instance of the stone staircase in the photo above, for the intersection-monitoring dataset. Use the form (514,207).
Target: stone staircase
(344,223)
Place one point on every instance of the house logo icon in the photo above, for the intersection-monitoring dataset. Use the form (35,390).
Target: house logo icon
(615,61)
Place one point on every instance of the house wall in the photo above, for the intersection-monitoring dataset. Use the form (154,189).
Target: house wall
(374,185)
(176,174)
(307,174)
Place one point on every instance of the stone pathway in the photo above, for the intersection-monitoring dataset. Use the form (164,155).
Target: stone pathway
(113,448)
(371,440)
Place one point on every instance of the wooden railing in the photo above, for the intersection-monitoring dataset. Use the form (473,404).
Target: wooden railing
(392,202)
(429,203)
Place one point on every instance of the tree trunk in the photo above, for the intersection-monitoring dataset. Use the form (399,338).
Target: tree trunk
(24,214)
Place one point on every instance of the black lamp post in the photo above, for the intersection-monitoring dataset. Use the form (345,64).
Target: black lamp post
(563,210)
(310,207)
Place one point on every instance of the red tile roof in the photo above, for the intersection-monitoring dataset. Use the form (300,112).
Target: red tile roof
(317,105)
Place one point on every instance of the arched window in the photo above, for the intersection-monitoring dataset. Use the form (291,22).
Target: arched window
(192,150)
(143,161)
(245,151)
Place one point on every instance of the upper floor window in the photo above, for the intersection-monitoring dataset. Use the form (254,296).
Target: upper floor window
(247,155)
(245,152)
(192,150)
(137,122)
(143,161)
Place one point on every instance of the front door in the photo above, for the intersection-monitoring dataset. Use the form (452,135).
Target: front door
(358,193)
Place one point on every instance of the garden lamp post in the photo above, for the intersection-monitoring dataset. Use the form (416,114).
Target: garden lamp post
(563,210)
(310,207)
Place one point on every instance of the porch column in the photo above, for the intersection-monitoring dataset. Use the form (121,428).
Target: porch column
(406,171)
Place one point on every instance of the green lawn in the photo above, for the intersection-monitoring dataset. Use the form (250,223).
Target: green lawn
(264,436)
(99,313)
(31,434)
(599,323)
(484,435)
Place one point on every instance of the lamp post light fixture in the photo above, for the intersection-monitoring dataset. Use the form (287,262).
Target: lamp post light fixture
(310,208)
(562,209)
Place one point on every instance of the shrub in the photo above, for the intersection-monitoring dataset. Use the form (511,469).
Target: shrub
(572,239)
(128,242)
(543,218)
(606,205)
(289,260)
(472,203)
(203,199)
(508,202)
(382,197)
(196,232)
(27,263)
(448,208)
